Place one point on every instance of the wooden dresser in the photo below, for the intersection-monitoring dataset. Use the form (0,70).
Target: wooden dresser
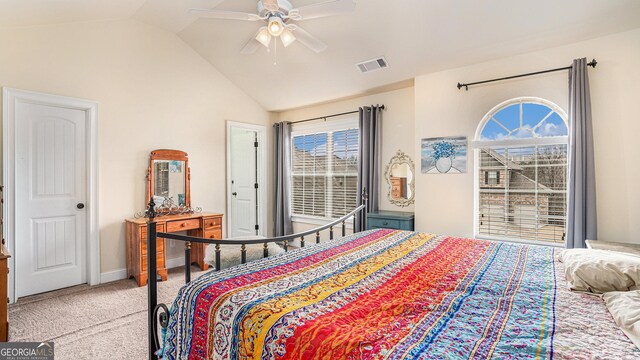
(205,225)
(398,186)
(4,300)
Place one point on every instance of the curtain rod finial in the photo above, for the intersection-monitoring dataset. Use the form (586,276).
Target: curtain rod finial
(593,63)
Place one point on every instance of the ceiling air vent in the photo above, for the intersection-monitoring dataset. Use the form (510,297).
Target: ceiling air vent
(373,64)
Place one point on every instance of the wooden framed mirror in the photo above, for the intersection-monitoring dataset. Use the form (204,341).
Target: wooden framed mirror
(169,178)
(400,179)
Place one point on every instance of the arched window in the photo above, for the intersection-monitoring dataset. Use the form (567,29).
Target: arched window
(521,172)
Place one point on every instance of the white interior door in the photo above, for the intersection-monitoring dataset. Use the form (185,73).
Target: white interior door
(244,177)
(50,192)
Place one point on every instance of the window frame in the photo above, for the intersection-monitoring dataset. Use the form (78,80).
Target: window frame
(343,123)
(479,143)
(488,177)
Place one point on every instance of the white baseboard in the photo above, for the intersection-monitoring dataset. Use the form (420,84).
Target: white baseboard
(113,275)
(120,274)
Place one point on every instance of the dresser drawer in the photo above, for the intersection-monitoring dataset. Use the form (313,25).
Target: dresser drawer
(181,225)
(213,234)
(159,263)
(212,222)
(144,231)
(159,246)
(384,223)
(384,219)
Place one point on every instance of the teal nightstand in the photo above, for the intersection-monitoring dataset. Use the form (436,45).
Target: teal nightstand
(398,220)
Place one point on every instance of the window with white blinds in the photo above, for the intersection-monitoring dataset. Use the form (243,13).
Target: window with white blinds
(324,169)
(521,172)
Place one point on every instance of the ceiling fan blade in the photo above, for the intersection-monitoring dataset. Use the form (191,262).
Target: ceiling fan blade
(327,8)
(250,47)
(271,5)
(227,15)
(308,40)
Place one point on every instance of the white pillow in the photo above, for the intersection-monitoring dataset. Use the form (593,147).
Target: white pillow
(600,271)
(625,309)
(230,254)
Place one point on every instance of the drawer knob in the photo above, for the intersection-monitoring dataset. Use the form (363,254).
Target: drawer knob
(183,225)
(385,223)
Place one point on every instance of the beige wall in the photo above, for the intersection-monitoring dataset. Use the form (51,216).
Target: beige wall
(153,92)
(397,129)
(444,203)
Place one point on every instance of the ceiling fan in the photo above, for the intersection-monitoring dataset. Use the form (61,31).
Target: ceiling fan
(279,17)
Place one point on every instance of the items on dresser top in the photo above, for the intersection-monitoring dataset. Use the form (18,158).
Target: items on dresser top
(206,225)
(399,220)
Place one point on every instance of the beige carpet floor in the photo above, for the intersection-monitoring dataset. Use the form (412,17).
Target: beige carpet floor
(108,321)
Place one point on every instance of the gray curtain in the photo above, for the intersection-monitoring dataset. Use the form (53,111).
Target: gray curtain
(282,169)
(369,160)
(581,205)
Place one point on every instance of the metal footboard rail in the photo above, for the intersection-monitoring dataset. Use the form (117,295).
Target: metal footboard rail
(159,313)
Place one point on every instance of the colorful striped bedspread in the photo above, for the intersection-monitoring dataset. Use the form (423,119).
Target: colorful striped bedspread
(393,294)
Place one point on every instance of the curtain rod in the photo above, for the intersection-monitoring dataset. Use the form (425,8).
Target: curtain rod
(593,64)
(333,115)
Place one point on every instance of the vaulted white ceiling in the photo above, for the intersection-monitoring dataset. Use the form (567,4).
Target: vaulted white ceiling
(415,36)
(18,13)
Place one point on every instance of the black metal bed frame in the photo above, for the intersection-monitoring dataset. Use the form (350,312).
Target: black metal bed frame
(159,313)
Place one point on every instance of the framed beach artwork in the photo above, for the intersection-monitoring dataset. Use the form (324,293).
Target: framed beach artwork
(444,155)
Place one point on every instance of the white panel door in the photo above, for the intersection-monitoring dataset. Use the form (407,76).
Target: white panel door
(51,188)
(243,179)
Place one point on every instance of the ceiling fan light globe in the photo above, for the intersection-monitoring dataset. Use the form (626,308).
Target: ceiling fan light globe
(264,37)
(287,38)
(276,26)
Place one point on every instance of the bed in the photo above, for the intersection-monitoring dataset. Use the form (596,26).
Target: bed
(393,295)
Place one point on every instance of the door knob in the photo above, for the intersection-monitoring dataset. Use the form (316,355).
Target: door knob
(234,193)
(80,206)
